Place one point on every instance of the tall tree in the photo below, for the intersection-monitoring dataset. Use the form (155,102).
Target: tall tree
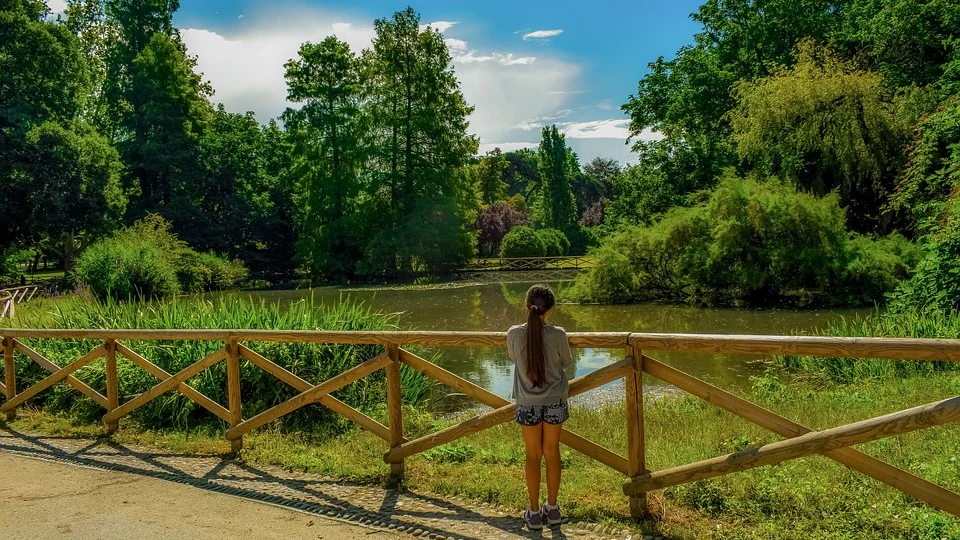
(490,171)
(157,102)
(420,146)
(556,208)
(328,153)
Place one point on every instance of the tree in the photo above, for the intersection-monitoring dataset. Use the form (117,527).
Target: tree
(490,171)
(557,209)
(328,152)
(156,102)
(824,124)
(419,147)
(522,175)
(494,222)
(76,189)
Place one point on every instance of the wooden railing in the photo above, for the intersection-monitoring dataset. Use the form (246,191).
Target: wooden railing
(9,298)
(512,264)
(800,441)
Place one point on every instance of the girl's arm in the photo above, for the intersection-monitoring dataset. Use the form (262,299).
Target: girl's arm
(566,357)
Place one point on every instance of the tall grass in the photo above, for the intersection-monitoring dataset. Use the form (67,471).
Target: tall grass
(899,323)
(259,390)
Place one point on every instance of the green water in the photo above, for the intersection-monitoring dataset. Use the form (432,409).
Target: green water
(496,307)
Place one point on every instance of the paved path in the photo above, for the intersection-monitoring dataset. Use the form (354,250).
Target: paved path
(42,499)
(89,488)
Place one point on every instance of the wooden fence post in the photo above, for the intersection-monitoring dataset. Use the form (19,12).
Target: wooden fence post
(10,372)
(394,408)
(113,395)
(636,453)
(233,392)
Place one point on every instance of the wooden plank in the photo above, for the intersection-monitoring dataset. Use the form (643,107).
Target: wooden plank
(447,378)
(594,451)
(435,338)
(113,395)
(309,396)
(884,472)
(452,433)
(636,454)
(190,392)
(233,392)
(327,401)
(79,385)
(9,375)
(170,383)
(53,379)
(846,347)
(816,442)
(394,407)
(505,413)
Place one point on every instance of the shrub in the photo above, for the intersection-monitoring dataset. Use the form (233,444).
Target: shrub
(147,260)
(556,243)
(749,242)
(522,241)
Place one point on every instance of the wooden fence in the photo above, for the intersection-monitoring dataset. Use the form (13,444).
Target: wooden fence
(799,441)
(515,264)
(9,298)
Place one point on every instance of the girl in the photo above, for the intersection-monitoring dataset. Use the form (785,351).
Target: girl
(541,355)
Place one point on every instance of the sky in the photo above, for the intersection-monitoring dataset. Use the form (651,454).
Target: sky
(522,64)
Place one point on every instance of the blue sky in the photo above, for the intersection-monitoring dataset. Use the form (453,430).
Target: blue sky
(521,63)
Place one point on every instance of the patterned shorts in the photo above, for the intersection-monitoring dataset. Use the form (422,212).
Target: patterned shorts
(533,415)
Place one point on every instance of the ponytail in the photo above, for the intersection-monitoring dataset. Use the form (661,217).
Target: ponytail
(539,301)
(536,366)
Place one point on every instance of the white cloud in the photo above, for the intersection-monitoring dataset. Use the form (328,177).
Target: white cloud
(597,129)
(537,123)
(439,26)
(56,7)
(542,34)
(510,60)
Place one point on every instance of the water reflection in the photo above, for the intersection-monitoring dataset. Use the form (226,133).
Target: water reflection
(498,306)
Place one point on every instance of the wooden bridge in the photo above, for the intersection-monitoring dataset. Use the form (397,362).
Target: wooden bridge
(526,269)
(9,298)
(799,440)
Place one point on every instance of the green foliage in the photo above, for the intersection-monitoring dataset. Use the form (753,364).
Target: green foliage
(928,191)
(556,207)
(523,241)
(825,125)
(555,242)
(490,170)
(748,242)
(147,260)
(640,194)
(313,362)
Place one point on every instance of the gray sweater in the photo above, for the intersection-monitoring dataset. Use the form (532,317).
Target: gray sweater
(557,357)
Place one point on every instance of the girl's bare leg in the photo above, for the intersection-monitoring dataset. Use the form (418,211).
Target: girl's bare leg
(533,442)
(551,451)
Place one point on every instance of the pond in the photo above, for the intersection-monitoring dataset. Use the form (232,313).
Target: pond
(495,307)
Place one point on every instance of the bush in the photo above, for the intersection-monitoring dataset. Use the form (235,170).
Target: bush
(749,243)
(312,362)
(556,243)
(147,260)
(522,241)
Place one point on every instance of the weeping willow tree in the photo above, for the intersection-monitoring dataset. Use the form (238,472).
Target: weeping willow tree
(824,124)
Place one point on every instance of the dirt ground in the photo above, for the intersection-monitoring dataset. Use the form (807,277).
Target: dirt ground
(40,499)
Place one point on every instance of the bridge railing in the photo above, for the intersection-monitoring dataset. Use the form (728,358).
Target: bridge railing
(799,441)
(509,264)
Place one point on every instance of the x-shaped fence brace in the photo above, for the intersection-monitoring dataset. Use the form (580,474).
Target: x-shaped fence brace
(800,441)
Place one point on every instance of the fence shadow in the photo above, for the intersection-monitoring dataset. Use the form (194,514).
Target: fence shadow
(387,509)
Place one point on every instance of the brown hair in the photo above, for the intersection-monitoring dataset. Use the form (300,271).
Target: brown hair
(539,300)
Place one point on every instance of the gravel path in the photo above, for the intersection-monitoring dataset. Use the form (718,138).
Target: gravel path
(98,485)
